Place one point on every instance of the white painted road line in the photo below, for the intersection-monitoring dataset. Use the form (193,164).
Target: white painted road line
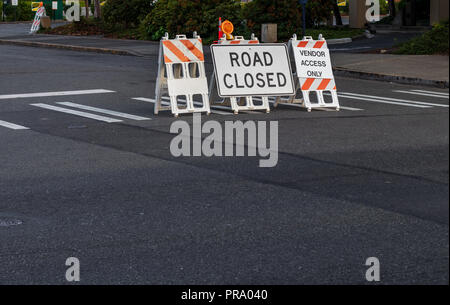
(331,109)
(405,102)
(12,126)
(432,92)
(57,93)
(166,103)
(105,111)
(423,94)
(77,113)
(381,101)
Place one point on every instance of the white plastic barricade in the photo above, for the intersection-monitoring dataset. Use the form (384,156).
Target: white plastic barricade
(314,73)
(237,103)
(37,20)
(181,74)
(244,71)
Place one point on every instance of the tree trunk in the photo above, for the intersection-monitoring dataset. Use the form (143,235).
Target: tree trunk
(97,12)
(86,5)
(337,13)
(392,8)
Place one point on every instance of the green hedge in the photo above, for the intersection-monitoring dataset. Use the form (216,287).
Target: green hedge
(285,13)
(23,11)
(182,16)
(435,41)
(185,17)
(128,13)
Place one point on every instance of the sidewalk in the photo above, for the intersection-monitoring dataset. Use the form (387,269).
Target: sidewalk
(431,70)
(420,70)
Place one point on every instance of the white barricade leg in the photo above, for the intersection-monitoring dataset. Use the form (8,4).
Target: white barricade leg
(248,104)
(306,100)
(265,101)
(161,85)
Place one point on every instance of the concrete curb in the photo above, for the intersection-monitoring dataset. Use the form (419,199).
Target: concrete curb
(340,71)
(67,47)
(339,41)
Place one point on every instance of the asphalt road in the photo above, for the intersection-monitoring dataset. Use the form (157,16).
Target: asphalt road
(368,181)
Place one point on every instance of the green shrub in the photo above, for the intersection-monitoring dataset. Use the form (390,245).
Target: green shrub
(185,17)
(435,41)
(287,14)
(128,13)
(23,11)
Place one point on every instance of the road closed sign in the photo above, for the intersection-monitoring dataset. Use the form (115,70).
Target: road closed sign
(312,59)
(252,70)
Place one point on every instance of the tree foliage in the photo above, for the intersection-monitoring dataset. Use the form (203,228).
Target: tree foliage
(187,16)
(128,13)
(285,13)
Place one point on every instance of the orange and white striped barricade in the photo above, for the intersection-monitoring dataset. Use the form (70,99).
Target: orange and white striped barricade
(314,73)
(237,103)
(182,73)
(37,19)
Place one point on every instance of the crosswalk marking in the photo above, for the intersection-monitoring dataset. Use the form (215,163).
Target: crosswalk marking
(400,101)
(422,94)
(12,126)
(105,111)
(272,101)
(166,103)
(57,93)
(381,101)
(77,113)
(432,92)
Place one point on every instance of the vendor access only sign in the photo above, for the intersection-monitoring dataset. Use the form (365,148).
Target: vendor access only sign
(253,70)
(313,60)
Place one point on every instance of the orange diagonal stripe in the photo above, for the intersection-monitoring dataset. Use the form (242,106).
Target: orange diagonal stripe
(319,44)
(175,51)
(253,41)
(307,85)
(302,44)
(191,47)
(235,42)
(323,85)
(167,59)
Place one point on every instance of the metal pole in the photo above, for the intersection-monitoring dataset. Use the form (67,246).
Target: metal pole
(304,18)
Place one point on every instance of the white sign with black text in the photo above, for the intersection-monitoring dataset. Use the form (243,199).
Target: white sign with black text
(313,60)
(15,2)
(253,70)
